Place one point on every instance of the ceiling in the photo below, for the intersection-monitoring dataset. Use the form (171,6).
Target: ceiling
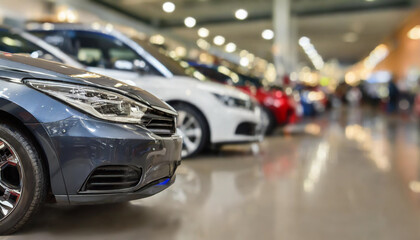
(325,22)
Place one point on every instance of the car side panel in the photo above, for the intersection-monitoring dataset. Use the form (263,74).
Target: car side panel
(18,100)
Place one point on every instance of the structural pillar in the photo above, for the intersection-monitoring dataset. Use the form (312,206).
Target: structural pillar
(284,48)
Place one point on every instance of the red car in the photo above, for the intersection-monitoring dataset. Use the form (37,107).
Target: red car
(279,107)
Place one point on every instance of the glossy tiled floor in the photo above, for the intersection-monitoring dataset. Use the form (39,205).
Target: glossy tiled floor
(347,175)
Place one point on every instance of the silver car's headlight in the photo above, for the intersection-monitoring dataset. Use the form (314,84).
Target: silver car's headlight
(98,102)
(235,102)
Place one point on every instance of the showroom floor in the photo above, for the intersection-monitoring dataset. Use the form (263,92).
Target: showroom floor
(347,175)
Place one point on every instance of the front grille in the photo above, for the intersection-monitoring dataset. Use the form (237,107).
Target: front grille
(109,178)
(246,128)
(159,123)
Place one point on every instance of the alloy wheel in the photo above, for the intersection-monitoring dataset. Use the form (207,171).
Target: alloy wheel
(11,179)
(191,132)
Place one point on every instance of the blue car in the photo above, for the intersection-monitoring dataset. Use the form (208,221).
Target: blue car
(76,137)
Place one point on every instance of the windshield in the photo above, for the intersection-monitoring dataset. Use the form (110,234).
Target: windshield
(175,67)
(14,43)
(225,75)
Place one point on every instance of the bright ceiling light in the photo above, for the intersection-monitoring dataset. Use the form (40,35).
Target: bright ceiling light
(244,62)
(168,7)
(414,33)
(203,32)
(230,47)
(219,40)
(241,14)
(190,22)
(267,34)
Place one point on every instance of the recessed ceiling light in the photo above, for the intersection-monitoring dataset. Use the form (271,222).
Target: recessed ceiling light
(267,34)
(219,40)
(203,32)
(241,14)
(369,0)
(190,22)
(168,7)
(230,47)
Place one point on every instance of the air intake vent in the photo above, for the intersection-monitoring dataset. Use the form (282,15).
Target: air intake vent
(246,128)
(109,178)
(158,122)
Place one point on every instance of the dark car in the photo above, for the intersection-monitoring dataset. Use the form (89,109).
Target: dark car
(78,137)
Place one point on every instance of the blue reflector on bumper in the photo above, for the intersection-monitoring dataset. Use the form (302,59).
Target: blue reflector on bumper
(164,182)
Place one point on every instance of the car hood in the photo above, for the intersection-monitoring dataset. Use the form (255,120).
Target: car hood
(27,68)
(212,87)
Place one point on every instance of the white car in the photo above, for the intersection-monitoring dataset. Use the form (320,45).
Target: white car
(209,113)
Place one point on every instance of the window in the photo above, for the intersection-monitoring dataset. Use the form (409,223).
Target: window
(14,43)
(214,74)
(98,50)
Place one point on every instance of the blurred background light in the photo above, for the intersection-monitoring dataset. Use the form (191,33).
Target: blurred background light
(414,33)
(219,40)
(244,62)
(241,14)
(157,39)
(230,47)
(203,32)
(267,34)
(168,7)
(203,44)
(190,22)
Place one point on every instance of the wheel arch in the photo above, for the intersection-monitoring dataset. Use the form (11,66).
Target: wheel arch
(27,123)
(16,122)
(174,102)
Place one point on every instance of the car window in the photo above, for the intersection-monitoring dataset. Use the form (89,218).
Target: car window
(94,49)
(213,74)
(14,43)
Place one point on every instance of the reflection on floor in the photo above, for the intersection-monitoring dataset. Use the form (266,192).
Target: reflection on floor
(346,175)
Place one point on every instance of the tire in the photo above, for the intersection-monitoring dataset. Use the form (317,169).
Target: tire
(186,114)
(272,123)
(32,181)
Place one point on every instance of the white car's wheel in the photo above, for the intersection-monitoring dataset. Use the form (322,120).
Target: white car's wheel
(193,129)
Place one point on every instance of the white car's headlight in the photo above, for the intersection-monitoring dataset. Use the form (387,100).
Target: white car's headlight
(235,102)
(98,102)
